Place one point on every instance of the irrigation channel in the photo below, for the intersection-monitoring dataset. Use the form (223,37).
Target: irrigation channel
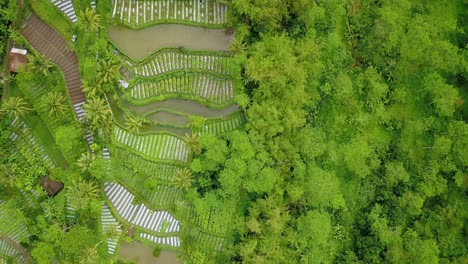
(139,44)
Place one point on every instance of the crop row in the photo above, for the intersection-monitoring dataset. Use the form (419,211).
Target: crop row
(138,13)
(159,146)
(203,86)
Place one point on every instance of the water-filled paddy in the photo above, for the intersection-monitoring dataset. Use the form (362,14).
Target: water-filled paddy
(138,44)
(143,254)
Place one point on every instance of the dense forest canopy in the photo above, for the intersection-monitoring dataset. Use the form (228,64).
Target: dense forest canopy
(355,148)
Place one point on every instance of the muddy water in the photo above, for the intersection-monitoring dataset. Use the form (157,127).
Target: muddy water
(168,118)
(181,106)
(138,44)
(143,254)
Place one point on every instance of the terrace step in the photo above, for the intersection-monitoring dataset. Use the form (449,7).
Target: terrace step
(139,215)
(201,85)
(66,6)
(159,146)
(172,241)
(224,125)
(168,60)
(108,222)
(139,13)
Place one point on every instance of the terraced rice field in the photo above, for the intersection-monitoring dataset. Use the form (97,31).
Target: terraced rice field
(28,140)
(8,250)
(16,231)
(139,13)
(172,241)
(108,222)
(66,6)
(159,146)
(221,126)
(139,215)
(168,60)
(146,168)
(204,86)
(206,240)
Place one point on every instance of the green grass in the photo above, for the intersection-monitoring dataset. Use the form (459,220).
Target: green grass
(43,135)
(52,16)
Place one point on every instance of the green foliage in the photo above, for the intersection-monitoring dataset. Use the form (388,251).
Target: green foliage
(15,107)
(157,251)
(69,140)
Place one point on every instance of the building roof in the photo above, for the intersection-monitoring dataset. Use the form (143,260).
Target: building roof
(50,186)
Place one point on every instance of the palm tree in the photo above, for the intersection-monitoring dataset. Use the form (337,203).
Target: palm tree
(82,193)
(38,63)
(97,113)
(54,103)
(197,122)
(193,142)
(15,107)
(89,20)
(183,179)
(84,162)
(107,71)
(237,46)
(134,123)
(91,88)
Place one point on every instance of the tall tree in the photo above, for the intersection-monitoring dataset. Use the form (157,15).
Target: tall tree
(15,107)
(89,20)
(98,114)
(134,123)
(54,104)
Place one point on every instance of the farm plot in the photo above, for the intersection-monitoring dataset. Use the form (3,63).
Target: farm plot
(172,241)
(66,6)
(219,126)
(200,85)
(110,224)
(28,140)
(168,60)
(139,215)
(11,228)
(146,168)
(9,251)
(206,240)
(158,146)
(140,13)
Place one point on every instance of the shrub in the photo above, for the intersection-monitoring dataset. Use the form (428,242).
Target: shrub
(157,251)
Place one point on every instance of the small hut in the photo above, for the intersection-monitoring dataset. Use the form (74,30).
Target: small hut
(16,58)
(51,187)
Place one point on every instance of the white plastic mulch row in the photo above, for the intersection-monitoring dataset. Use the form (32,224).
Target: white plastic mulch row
(108,221)
(80,113)
(171,60)
(29,139)
(66,6)
(139,215)
(160,146)
(11,229)
(223,125)
(138,12)
(172,241)
(159,171)
(164,195)
(210,241)
(200,85)
(6,249)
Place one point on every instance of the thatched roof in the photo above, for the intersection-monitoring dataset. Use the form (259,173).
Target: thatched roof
(51,187)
